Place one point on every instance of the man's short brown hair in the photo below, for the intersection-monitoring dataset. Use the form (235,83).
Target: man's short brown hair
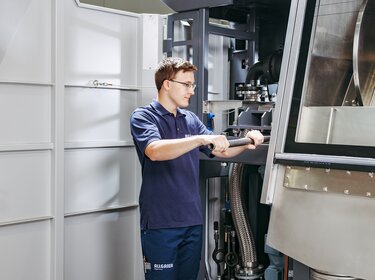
(168,68)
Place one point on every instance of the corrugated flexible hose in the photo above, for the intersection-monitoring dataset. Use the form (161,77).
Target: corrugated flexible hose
(244,233)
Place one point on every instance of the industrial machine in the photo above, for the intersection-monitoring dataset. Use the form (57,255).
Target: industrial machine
(319,171)
(303,73)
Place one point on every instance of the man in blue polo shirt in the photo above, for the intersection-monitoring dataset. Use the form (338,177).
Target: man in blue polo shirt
(168,140)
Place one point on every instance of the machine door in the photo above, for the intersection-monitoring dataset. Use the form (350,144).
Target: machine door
(320,167)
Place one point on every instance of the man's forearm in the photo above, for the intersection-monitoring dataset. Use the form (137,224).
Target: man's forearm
(168,149)
(230,152)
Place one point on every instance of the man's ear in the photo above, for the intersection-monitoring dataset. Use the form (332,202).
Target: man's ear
(167,84)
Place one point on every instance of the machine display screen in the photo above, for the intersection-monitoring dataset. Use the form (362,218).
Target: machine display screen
(333,106)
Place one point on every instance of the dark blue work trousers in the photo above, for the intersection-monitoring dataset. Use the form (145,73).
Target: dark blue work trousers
(172,253)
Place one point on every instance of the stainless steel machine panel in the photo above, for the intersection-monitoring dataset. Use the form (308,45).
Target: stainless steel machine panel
(330,180)
(337,125)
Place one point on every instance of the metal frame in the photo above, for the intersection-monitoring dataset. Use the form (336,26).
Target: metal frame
(199,42)
(282,108)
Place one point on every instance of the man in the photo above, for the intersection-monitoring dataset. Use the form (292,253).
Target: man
(168,140)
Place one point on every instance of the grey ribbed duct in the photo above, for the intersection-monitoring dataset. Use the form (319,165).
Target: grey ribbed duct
(244,233)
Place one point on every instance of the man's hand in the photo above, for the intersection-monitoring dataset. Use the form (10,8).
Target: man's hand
(218,143)
(256,136)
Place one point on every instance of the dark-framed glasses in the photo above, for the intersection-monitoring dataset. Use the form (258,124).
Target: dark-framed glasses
(187,85)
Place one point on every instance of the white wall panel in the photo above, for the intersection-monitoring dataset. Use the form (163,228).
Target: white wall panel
(100,178)
(100,45)
(24,185)
(25,40)
(25,114)
(25,251)
(98,114)
(102,246)
(100,170)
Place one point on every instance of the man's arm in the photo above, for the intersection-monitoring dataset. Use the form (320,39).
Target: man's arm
(167,149)
(172,148)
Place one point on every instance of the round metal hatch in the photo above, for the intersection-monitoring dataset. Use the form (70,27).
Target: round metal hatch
(320,275)
(364,53)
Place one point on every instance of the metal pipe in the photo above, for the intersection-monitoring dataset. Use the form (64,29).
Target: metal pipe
(240,142)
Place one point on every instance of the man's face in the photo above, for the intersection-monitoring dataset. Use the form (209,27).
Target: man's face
(182,88)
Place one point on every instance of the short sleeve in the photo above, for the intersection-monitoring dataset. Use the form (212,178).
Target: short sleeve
(143,128)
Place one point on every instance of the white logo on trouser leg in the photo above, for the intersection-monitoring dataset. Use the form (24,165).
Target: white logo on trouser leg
(162,266)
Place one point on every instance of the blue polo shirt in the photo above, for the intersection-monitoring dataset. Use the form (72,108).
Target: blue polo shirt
(169,194)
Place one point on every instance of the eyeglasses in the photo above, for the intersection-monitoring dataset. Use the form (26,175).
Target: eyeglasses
(187,85)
